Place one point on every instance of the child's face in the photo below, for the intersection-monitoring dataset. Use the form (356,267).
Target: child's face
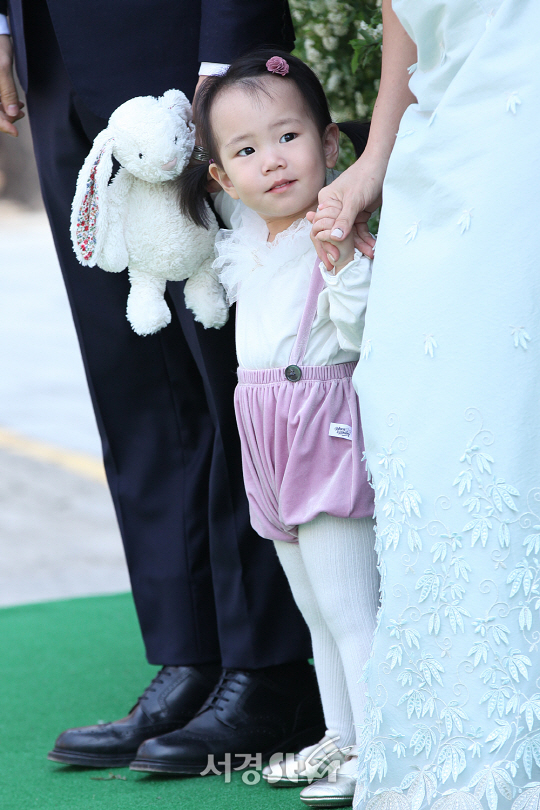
(273,156)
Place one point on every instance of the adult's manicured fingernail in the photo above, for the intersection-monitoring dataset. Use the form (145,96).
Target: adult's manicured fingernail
(12,109)
(331,258)
(337,233)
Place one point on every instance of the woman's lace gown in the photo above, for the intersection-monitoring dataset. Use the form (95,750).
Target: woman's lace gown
(449,384)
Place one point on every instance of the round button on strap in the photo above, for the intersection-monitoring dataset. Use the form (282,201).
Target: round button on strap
(293,373)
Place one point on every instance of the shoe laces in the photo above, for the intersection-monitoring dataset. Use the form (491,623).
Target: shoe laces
(164,672)
(225,686)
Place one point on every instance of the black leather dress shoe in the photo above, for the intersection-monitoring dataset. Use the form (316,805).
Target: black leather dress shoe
(249,712)
(171,700)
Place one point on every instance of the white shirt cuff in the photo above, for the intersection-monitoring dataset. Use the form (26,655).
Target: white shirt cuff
(4,27)
(212,68)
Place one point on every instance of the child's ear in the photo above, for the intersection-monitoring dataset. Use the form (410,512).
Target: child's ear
(331,145)
(221,177)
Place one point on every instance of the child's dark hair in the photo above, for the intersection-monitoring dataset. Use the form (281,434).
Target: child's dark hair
(247,72)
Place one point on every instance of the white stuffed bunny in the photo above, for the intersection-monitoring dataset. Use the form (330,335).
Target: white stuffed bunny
(135,221)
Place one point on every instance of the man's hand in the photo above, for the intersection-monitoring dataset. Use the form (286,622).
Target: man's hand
(10,106)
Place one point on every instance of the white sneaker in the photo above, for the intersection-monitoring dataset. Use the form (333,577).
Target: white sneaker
(313,762)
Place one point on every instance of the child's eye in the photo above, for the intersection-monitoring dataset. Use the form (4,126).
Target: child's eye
(289,136)
(247,150)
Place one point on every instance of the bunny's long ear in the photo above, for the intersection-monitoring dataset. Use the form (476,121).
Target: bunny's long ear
(89,207)
(177,101)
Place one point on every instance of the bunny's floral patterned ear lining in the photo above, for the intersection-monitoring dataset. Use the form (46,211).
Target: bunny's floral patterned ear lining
(88,213)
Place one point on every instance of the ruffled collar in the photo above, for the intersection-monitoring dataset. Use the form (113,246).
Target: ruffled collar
(245,252)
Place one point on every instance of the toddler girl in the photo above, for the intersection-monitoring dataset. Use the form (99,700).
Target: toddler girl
(266,130)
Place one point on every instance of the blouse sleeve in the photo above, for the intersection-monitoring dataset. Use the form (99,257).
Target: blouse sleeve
(344,300)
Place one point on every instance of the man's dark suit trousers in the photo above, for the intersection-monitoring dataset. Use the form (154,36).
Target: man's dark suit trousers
(206,587)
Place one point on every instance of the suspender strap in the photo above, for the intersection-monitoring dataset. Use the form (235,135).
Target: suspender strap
(316,286)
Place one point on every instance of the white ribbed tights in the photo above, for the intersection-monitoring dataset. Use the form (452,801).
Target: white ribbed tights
(333,578)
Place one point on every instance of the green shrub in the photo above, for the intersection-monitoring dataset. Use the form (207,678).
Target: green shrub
(341,41)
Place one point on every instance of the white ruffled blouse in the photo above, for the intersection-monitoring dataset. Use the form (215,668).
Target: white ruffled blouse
(270,280)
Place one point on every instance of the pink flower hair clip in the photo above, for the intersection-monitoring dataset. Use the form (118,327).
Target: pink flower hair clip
(277,65)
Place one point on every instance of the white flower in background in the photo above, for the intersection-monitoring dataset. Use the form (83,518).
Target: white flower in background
(330,43)
(372,32)
(320,29)
(337,17)
(334,80)
(360,107)
(312,54)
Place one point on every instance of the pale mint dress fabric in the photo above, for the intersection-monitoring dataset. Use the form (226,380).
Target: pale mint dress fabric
(449,385)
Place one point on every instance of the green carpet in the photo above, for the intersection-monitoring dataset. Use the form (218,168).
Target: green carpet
(74,663)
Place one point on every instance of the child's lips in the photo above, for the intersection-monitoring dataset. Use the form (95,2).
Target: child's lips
(281,185)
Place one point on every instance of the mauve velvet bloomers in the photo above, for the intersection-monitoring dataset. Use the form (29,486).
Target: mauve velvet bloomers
(293,468)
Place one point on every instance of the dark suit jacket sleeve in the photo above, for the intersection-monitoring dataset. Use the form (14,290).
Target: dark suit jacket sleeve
(3,6)
(229,28)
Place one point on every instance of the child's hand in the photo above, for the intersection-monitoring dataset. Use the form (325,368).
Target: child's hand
(346,252)
(342,251)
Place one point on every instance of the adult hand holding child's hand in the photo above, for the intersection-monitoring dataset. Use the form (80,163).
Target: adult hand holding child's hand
(342,253)
(345,206)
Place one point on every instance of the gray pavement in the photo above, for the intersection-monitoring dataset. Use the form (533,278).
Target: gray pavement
(58,532)
(42,389)
(58,535)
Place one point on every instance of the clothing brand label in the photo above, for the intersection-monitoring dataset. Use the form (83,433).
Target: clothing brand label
(340,431)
